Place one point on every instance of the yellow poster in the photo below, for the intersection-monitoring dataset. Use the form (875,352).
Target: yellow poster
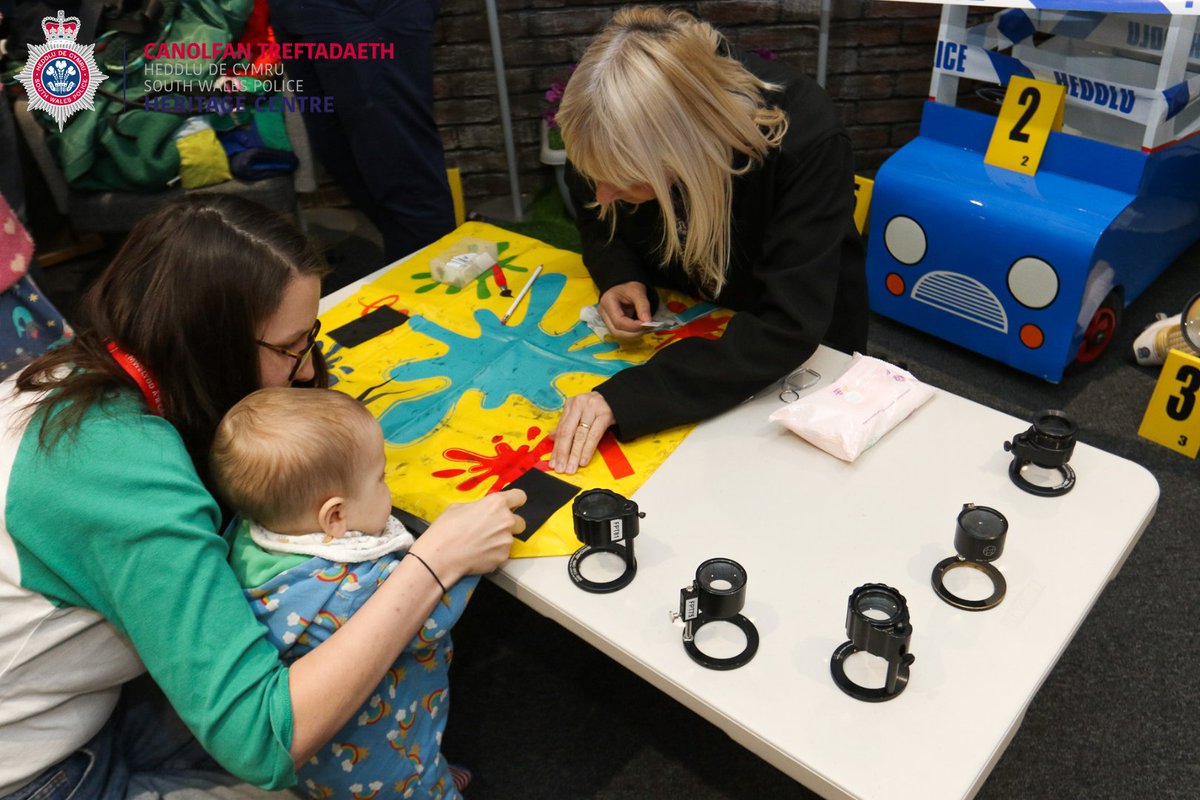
(467,404)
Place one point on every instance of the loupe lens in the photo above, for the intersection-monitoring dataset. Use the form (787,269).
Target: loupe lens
(721,577)
(983,523)
(877,606)
(1053,427)
(1047,478)
(1190,323)
(600,505)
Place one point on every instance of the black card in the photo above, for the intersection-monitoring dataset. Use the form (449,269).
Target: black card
(368,326)
(415,525)
(546,494)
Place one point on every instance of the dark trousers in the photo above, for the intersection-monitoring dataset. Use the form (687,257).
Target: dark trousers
(381,142)
(143,751)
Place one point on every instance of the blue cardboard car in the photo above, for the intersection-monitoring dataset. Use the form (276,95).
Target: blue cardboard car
(1033,270)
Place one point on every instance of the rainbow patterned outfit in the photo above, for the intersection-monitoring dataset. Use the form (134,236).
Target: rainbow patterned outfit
(391,747)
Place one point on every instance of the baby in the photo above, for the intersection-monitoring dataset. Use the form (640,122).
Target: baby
(306,470)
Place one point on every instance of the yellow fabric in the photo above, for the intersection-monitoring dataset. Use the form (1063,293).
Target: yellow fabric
(202,160)
(466,405)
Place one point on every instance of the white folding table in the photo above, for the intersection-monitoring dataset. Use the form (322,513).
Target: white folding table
(808,529)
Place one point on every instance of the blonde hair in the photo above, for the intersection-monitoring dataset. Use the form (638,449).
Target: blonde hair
(655,100)
(282,452)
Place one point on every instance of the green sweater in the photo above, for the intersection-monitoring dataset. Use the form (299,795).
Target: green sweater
(111,565)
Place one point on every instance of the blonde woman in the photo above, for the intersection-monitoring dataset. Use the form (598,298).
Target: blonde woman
(726,178)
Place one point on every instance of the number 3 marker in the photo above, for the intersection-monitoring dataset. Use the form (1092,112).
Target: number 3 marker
(1173,416)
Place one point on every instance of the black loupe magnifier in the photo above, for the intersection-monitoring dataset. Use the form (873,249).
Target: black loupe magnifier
(979,535)
(877,623)
(605,522)
(717,594)
(1040,455)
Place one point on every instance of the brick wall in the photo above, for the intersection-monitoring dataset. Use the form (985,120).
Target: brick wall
(880,54)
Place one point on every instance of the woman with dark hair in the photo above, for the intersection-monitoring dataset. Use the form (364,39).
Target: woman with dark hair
(111,563)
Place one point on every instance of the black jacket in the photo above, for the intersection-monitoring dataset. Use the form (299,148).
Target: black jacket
(796,272)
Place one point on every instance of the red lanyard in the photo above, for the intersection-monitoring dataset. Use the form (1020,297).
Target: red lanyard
(142,376)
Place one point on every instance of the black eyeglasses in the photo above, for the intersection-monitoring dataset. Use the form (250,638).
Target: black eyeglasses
(301,357)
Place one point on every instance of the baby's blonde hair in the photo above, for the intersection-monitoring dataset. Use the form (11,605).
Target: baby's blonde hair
(656,100)
(280,453)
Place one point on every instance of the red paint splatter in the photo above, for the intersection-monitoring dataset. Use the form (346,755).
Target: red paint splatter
(710,326)
(614,458)
(503,467)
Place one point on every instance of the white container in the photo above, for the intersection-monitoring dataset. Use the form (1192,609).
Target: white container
(463,261)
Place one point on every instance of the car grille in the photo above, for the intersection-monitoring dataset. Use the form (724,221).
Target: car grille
(962,296)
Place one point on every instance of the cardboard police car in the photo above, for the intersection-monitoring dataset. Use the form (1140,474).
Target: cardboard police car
(1031,262)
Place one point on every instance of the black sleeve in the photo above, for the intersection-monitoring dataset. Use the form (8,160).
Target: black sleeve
(809,239)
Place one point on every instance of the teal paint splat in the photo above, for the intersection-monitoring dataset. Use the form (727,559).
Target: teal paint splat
(501,362)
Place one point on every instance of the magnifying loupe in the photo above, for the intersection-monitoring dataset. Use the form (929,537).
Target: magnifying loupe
(605,522)
(717,593)
(1040,455)
(1185,336)
(1189,323)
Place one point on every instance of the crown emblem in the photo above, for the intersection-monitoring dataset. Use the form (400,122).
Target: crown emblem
(60,29)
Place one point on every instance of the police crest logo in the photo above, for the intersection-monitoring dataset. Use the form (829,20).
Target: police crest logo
(61,76)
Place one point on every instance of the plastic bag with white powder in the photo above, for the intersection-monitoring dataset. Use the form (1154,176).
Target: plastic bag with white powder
(845,418)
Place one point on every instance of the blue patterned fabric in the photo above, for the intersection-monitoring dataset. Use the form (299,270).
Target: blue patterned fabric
(391,747)
(29,325)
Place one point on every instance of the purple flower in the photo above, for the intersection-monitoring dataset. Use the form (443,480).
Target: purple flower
(554,96)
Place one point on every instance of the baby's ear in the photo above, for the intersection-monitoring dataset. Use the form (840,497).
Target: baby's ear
(332,516)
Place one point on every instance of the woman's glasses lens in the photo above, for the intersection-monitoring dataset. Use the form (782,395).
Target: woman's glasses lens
(304,355)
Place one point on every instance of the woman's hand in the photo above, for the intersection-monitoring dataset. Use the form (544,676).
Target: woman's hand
(624,308)
(584,420)
(472,538)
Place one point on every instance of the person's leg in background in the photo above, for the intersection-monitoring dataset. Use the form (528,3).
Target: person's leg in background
(381,142)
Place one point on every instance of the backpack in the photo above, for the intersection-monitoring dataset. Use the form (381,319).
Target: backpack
(121,145)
